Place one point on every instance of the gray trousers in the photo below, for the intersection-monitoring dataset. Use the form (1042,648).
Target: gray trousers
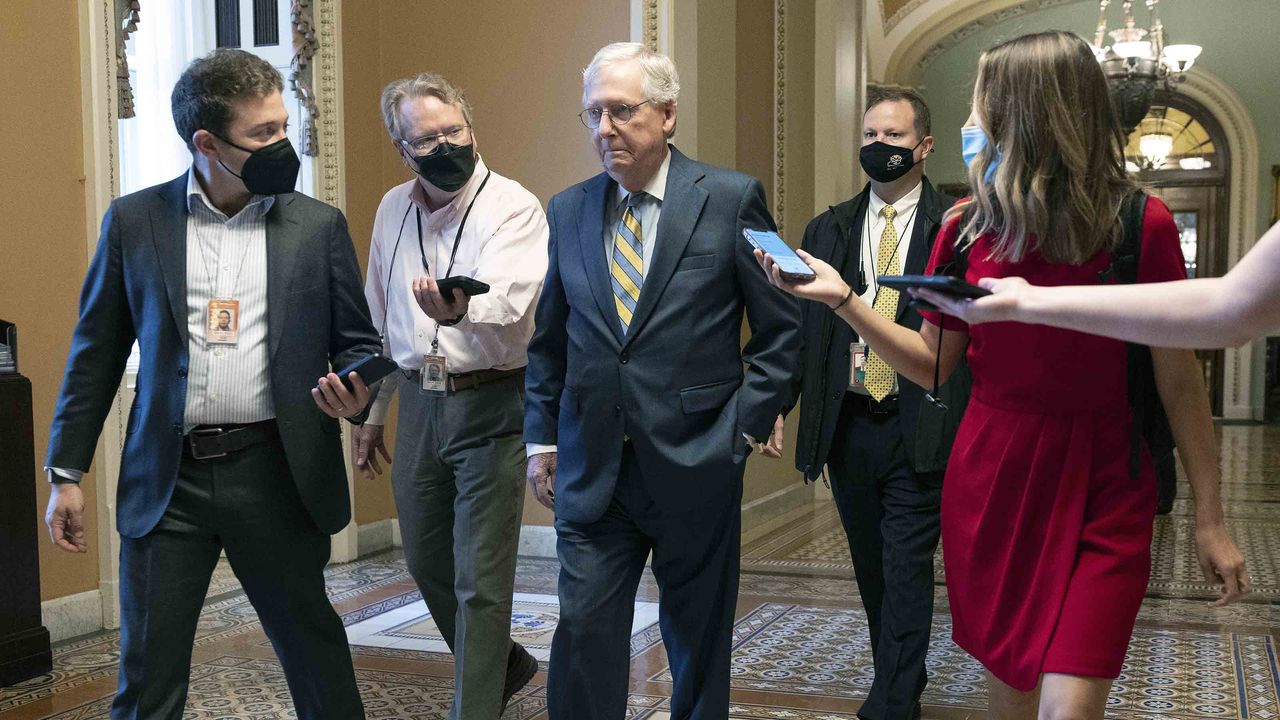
(458,480)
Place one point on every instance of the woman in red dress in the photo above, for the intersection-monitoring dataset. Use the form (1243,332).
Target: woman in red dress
(1047,535)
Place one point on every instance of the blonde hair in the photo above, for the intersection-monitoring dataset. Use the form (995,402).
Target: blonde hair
(1044,104)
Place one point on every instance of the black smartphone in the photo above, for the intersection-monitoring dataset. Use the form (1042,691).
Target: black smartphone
(470,287)
(941,283)
(372,369)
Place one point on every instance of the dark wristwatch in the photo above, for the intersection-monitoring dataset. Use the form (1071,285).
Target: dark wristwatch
(454,321)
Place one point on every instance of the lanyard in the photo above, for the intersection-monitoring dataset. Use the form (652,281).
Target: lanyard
(396,250)
(866,243)
(453,254)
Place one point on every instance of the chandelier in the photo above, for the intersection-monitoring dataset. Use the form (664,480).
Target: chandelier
(1138,62)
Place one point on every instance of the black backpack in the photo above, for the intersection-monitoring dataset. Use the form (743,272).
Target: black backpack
(1150,423)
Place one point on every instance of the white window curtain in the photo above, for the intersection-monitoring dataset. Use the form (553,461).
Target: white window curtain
(169,35)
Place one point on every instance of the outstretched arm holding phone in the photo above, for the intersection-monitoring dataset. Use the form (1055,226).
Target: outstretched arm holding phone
(910,352)
(1200,313)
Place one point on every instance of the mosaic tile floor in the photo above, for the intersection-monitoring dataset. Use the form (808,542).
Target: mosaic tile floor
(801,651)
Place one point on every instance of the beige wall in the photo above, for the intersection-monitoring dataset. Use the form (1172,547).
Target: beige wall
(524,81)
(754,105)
(42,243)
(755,91)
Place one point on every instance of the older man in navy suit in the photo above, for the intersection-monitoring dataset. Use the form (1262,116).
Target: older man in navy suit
(642,403)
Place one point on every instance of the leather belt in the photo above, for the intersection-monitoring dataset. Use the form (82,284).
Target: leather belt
(474,379)
(207,442)
(869,406)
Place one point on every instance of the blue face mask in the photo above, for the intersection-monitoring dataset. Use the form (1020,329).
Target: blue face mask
(972,141)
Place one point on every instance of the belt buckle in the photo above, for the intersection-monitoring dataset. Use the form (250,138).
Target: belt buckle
(469,381)
(199,433)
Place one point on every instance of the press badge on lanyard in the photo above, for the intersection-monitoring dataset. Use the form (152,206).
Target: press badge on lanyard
(857,365)
(223,321)
(435,373)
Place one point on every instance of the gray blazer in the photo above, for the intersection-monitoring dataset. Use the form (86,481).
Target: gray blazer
(136,287)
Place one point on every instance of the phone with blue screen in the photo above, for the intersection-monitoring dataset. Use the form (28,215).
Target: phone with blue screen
(793,269)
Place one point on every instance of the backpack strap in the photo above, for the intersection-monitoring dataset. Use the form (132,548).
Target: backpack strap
(1124,269)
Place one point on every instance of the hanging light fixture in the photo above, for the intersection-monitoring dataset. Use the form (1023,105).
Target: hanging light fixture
(1138,62)
(1155,149)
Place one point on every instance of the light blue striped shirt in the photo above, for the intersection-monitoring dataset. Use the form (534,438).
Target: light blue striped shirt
(227,258)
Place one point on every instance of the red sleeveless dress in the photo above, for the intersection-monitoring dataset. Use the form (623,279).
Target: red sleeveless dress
(1046,537)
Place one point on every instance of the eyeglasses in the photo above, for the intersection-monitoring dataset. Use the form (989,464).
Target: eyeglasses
(619,114)
(427,144)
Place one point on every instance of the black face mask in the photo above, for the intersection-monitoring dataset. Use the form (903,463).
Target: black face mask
(884,162)
(270,170)
(448,167)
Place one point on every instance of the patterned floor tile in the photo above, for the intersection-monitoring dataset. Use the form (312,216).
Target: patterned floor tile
(1175,569)
(810,651)
(250,689)
(802,649)
(533,622)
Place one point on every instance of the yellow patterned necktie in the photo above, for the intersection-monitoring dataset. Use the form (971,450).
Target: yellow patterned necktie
(879,380)
(626,269)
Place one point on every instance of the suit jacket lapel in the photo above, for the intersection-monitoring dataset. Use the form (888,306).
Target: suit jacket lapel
(169,234)
(591,249)
(284,247)
(681,208)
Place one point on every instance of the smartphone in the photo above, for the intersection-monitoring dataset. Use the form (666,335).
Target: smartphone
(372,369)
(789,263)
(941,283)
(469,286)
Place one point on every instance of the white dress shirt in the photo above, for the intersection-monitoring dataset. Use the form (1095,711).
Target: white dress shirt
(226,259)
(873,225)
(503,244)
(648,211)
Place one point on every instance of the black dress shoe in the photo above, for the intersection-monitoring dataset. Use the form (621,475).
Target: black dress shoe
(915,713)
(521,667)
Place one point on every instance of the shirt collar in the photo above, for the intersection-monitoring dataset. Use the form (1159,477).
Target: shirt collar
(260,204)
(464,196)
(657,185)
(904,206)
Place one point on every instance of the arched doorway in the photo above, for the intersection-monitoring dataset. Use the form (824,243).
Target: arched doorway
(1180,154)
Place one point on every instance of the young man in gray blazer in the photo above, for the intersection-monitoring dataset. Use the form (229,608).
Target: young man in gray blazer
(232,443)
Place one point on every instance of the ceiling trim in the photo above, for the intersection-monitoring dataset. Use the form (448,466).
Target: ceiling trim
(930,27)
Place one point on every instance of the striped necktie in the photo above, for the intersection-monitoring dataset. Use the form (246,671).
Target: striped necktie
(627,266)
(879,381)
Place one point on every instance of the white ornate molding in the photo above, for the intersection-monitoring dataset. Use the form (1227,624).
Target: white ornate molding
(127,17)
(925,28)
(328,163)
(903,13)
(779,112)
(100,36)
(1242,373)
(302,76)
(649,24)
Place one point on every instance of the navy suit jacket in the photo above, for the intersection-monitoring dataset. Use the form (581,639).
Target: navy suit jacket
(679,384)
(136,287)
